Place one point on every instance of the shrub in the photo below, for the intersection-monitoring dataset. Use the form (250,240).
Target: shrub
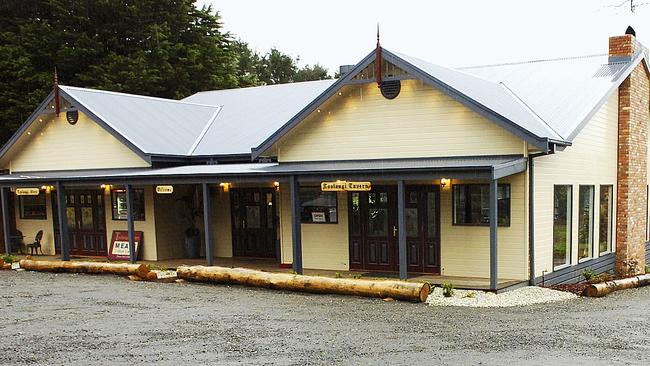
(470,295)
(589,274)
(337,275)
(447,289)
(8,258)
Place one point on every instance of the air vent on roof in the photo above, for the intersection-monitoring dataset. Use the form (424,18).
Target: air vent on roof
(390,88)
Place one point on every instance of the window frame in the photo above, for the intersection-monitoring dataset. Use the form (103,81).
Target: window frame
(454,187)
(114,192)
(610,217)
(318,190)
(21,206)
(591,223)
(569,230)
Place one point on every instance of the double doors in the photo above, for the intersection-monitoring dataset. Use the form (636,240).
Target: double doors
(374,230)
(86,218)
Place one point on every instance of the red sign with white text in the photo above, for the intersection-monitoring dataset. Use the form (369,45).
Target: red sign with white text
(119,249)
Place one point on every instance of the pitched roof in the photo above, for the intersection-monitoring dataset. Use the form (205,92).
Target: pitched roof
(155,126)
(565,92)
(249,115)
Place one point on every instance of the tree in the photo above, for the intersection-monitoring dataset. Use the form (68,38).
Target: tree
(165,48)
(276,68)
(317,72)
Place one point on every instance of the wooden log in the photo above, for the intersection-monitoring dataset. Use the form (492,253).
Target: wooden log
(398,290)
(124,269)
(6,266)
(152,276)
(604,288)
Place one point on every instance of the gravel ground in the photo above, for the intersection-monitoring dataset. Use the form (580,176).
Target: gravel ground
(480,299)
(70,319)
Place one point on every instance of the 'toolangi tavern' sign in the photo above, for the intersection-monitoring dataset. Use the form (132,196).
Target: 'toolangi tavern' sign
(340,186)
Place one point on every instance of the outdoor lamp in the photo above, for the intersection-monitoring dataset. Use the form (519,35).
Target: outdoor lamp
(444,182)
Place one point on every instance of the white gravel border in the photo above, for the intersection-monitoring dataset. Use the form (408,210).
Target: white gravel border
(478,299)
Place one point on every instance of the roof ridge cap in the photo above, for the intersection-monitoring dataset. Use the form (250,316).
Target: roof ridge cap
(101,91)
(532,61)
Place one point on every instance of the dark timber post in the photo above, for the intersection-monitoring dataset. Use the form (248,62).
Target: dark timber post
(5,219)
(493,234)
(129,219)
(295,224)
(401,228)
(64,238)
(207,220)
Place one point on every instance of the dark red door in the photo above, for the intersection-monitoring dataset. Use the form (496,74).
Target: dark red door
(422,229)
(254,229)
(86,223)
(373,229)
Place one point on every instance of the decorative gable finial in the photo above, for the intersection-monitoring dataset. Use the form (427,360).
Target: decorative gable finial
(378,60)
(630,30)
(57,107)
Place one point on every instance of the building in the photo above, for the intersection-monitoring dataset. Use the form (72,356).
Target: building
(511,173)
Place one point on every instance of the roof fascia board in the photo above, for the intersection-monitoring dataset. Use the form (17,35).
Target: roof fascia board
(26,125)
(146,157)
(541,143)
(509,168)
(620,79)
(312,106)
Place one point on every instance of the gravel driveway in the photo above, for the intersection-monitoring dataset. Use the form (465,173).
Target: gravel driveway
(62,319)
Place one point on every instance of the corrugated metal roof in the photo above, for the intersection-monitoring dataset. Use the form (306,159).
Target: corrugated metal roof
(153,125)
(274,169)
(489,94)
(250,115)
(562,92)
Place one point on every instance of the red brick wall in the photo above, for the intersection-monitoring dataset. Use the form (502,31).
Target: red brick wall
(631,202)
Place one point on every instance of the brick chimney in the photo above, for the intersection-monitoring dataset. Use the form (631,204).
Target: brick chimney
(631,200)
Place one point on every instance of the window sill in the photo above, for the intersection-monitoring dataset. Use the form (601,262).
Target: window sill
(605,253)
(563,266)
(585,259)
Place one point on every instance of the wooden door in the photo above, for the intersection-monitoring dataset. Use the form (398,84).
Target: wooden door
(86,218)
(254,222)
(422,229)
(373,242)
(373,229)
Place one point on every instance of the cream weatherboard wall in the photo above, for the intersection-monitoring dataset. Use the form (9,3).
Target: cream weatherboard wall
(55,144)
(324,246)
(591,160)
(465,250)
(421,122)
(29,227)
(149,250)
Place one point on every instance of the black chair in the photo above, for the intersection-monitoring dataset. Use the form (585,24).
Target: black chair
(36,245)
(17,242)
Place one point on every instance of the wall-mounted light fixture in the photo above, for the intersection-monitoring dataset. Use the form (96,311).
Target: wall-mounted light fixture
(444,182)
(106,187)
(276,185)
(225,186)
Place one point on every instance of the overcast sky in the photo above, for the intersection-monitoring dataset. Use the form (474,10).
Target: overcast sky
(450,33)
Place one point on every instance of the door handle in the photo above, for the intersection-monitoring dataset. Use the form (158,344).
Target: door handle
(394,231)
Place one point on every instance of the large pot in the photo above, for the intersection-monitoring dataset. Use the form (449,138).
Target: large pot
(192,248)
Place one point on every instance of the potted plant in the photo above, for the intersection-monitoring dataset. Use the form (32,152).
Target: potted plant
(191,211)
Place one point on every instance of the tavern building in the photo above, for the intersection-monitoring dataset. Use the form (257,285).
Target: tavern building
(495,175)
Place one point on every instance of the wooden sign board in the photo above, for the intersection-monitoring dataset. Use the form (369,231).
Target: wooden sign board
(164,189)
(119,249)
(337,186)
(27,191)
(340,186)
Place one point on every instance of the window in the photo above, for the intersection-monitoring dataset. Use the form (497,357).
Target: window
(118,202)
(605,224)
(472,204)
(317,207)
(585,221)
(33,207)
(562,198)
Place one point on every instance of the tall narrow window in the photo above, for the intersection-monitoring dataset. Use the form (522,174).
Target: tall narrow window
(562,198)
(605,224)
(585,222)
